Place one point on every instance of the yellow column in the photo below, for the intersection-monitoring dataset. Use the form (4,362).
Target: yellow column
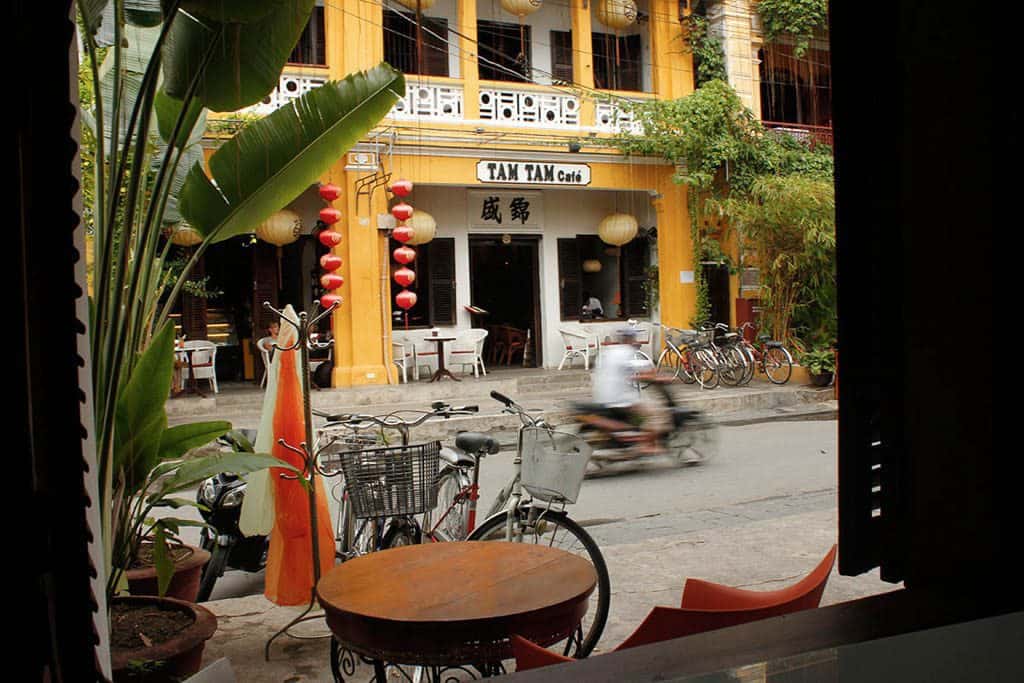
(583,56)
(355,36)
(675,255)
(671,66)
(468,66)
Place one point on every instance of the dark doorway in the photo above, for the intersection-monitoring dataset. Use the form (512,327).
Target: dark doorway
(505,282)
(717,278)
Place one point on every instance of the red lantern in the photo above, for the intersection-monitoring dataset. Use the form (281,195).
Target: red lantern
(405,299)
(404,276)
(401,188)
(330,262)
(401,211)
(404,255)
(328,300)
(331,281)
(330,216)
(329,238)
(403,233)
(330,192)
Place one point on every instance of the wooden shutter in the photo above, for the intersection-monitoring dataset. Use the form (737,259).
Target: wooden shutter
(442,281)
(193,308)
(633,270)
(569,278)
(561,56)
(264,285)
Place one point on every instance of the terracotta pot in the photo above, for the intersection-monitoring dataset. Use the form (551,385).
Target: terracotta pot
(182,655)
(821,380)
(184,584)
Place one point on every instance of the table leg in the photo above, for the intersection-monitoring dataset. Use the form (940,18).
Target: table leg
(442,371)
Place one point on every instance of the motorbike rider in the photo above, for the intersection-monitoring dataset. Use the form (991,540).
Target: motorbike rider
(614,387)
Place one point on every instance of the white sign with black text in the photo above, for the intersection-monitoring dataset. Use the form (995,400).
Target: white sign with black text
(532,173)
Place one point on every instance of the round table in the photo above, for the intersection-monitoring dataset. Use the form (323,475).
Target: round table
(442,371)
(455,604)
(192,385)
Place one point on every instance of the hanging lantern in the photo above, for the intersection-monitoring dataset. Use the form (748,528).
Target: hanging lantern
(403,233)
(328,300)
(401,188)
(617,229)
(329,192)
(404,276)
(183,234)
(401,211)
(414,5)
(329,238)
(592,265)
(404,255)
(423,227)
(405,299)
(521,8)
(330,215)
(283,227)
(331,281)
(330,262)
(616,14)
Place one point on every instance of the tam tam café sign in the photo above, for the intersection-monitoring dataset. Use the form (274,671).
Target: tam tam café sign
(532,173)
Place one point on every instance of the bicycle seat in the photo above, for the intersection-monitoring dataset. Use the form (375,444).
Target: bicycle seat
(476,443)
(457,458)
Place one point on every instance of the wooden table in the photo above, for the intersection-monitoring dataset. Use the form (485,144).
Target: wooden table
(445,605)
(442,371)
(192,385)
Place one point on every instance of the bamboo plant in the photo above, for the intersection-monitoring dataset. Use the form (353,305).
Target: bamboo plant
(155,68)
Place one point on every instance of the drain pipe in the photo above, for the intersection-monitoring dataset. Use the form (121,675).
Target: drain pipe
(385,298)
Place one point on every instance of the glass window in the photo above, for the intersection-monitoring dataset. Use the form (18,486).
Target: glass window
(600,282)
(504,51)
(311,48)
(422,52)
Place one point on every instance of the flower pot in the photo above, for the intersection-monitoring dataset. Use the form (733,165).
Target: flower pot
(173,657)
(184,584)
(821,379)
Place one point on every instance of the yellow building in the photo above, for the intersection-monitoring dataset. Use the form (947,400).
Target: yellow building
(498,133)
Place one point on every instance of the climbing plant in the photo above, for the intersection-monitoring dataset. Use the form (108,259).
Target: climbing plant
(796,20)
(707,51)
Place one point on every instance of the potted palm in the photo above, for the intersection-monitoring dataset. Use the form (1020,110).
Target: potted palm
(152,70)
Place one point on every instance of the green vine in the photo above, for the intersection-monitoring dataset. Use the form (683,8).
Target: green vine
(798,20)
(708,53)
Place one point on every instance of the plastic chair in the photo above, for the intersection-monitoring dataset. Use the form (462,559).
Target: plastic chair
(468,349)
(705,606)
(266,347)
(577,343)
(515,342)
(403,356)
(204,361)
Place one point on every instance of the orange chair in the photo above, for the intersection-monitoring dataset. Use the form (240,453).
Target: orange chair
(705,606)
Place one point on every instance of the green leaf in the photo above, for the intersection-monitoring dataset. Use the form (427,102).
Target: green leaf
(146,13)
(242,11)
(176,503)
(167,111)
(178,440)
(196,470)
(140,419)
(274,159)
(162,560)
(91,12)
(239,441)
(246,59)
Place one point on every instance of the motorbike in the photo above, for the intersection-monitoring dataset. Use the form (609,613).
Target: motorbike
(615,434)
(220,499)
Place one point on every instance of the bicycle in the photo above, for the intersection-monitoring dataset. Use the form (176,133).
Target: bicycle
(732,362)
(775,359)
(687,357)
(550,466)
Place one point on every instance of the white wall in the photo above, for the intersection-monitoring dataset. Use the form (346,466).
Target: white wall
(554,214)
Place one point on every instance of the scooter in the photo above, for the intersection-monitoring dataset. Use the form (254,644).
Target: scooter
(220,499)
(616,436)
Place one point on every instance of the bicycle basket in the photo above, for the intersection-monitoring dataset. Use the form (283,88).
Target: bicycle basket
(553,464)
(393,480)
(342,440)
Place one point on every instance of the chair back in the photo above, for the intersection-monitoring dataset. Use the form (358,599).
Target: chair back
(470,341)
(204,353)
(266,347)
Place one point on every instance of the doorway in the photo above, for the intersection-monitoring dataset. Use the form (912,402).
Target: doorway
(716,275)
(504,275)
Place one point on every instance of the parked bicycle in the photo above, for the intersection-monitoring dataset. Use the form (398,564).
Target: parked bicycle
(774,358)
(734,367)
(687,356)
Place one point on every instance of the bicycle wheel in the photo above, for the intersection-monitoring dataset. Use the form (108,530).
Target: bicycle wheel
(668,365)
(748,354)
(704,368)
(730,366)
(642,363)
(777,364)
(695,442)
(452,508)
(355,537)
(557,530)
(401,532)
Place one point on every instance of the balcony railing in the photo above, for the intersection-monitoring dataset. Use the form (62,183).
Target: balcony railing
(429,100)
(289,87)
(612,117)
(815,135)
(529,107)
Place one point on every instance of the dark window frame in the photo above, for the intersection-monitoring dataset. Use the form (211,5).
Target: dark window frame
(400,50)
(633,302)
(502,42)
(311,50)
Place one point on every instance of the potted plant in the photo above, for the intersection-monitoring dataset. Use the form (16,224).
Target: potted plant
(820,362)
(151,72)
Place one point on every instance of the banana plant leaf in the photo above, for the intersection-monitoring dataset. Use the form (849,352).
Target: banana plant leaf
(241,11)
(274,159)
(168,109)
(246,59)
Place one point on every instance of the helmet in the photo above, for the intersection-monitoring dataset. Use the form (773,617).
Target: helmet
(626,335)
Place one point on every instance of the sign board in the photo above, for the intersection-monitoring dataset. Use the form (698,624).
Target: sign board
(505,210)
(532,173)
(686,277)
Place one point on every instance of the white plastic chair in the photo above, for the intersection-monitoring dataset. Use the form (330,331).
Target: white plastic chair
(266,347)
(403,355)
(468,349)
(204,361)
(578,342)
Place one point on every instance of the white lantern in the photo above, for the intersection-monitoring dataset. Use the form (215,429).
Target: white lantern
(411,4)
(591,265)
(617,14)
(617,229)
(521,8)
(423,227)
(283,227)
(184,235)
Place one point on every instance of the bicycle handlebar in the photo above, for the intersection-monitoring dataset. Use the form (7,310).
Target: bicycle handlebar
(502,398)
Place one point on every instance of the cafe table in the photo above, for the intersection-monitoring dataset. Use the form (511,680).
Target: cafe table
(446,606)
(442,371)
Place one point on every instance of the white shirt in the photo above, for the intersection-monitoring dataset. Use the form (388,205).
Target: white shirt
(612,380)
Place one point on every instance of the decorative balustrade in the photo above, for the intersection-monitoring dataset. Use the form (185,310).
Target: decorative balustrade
(612,117)
(528,107)
(429,100)
(289,87)
(814,135)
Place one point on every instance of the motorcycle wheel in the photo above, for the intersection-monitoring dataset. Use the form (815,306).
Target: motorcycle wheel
(213,570)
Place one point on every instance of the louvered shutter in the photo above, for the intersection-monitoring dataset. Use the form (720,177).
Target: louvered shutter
(561,56)
(193,308)
(264,285)
(569,278)
(442,281)
(633,270)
